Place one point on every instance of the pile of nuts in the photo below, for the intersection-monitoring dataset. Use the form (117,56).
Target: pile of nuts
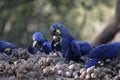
(52,67)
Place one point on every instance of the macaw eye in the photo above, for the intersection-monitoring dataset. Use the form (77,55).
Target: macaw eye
(8,45)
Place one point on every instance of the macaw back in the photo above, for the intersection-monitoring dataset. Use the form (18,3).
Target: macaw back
(117,44)
(104,51)
(101,53)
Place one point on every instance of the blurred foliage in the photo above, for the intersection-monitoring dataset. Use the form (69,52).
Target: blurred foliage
(19,19)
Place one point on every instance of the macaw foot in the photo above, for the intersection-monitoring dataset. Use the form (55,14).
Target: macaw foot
(82,61)
(66,61)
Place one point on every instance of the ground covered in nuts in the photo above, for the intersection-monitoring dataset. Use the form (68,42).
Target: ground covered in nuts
(24,66)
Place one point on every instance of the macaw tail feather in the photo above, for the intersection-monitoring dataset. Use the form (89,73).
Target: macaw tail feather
(92,62)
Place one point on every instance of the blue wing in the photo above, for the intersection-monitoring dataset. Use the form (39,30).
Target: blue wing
(85,48)
(47,47)
(76,48)
(70,51)
(102,52)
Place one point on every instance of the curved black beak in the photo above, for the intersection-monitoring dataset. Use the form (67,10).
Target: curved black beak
(55,32)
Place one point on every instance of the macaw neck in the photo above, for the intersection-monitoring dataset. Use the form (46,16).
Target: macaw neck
(66,39)
(65,33)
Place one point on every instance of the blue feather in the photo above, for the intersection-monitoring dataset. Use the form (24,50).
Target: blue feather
(92,62)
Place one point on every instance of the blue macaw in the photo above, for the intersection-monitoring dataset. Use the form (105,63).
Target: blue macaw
(71,48)
(39,44)
(103,52)
(7,47)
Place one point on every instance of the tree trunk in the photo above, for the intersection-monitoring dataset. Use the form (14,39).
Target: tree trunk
(111,29)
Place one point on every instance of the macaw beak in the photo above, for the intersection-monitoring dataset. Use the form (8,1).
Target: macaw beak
(8,51)
(34,44)
(58,32)
(55,32)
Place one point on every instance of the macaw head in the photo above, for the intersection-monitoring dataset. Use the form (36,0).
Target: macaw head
(37,36)
(58,29)
(10,45)
(9,48)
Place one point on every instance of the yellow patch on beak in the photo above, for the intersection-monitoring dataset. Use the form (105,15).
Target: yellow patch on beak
(58,31)
(7,49)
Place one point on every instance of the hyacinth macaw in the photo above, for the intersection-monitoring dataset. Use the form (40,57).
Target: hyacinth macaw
(71,48)
(56,44)
(103,52)
(39,44)
(7,47)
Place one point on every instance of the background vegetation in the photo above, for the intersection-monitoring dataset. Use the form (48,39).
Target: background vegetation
(85,19)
